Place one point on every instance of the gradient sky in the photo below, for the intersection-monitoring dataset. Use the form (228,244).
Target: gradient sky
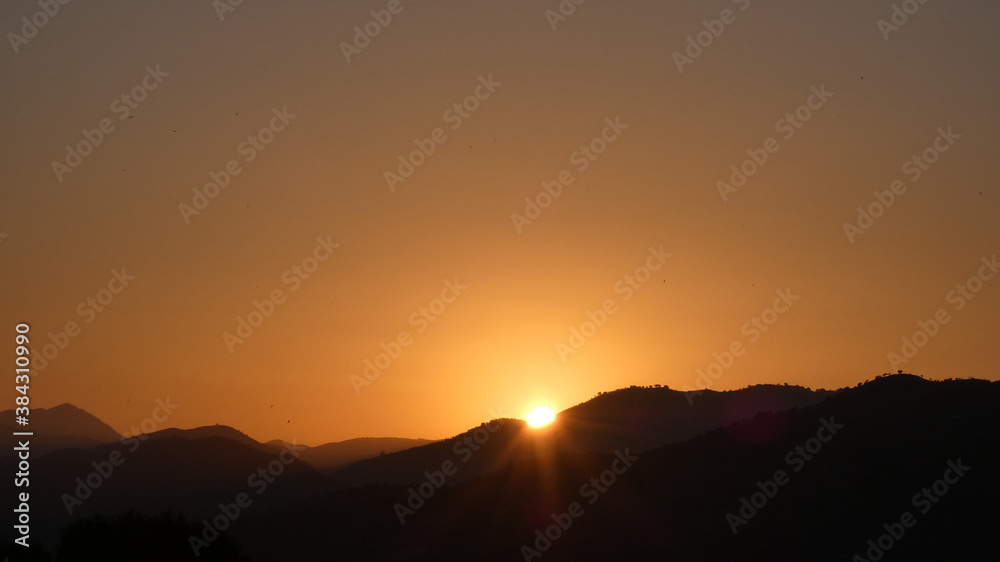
(494,347)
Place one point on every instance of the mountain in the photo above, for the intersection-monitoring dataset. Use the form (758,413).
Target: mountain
(219,431)
(192,471)
(62,427)
(637,417)
(832,481)
(647,417)
(332,456)
(479,450)
(193,475)
(764,473)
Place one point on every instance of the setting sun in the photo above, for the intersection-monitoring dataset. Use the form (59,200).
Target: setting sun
(540,416)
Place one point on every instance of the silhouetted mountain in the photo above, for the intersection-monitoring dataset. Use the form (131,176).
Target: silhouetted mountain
(281,444)
(191,475)
(64,426)
(220,431)
(799,475)
(475,451)
(644,417)
(851,465)
(332,456)
(636,417)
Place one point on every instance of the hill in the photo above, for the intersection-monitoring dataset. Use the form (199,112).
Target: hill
(332,456)
(190,475)
(219,431)
(816,483)
(636,417)
(764,473)
(62,427)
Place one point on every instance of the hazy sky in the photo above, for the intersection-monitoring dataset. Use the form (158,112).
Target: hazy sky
(333,128)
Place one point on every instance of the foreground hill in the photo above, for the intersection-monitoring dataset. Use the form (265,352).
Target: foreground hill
(179,472)
(636,417)
(643,418)
(764,473)
(851,468)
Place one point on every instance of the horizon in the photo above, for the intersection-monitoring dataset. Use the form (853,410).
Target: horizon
(532,487)
(126,435)
(613,274)
(298,229)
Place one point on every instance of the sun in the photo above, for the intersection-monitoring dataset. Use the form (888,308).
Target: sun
(542,415)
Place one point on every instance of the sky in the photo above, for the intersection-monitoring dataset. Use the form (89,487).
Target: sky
(499,205)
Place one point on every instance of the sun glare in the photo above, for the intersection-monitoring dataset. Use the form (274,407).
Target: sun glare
(540,416)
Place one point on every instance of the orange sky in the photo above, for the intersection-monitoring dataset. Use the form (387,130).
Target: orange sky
(336,128)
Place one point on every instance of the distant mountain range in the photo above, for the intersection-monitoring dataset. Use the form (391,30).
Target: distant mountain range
(332,456)
(691,460)
(68,427)
(62,427)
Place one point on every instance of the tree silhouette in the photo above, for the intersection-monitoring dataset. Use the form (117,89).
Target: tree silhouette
(16,553)
(133,536)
